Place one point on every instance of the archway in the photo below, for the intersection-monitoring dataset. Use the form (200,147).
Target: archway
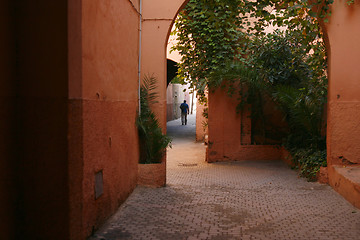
(72,115)
(226,128)
(337,103)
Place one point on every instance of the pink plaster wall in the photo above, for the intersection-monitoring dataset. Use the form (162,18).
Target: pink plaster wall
(343,132)
(224,126)
(110,146)
(158,16)
(344,99)
(346,181)
(230,132)
(173,55)
(103,94)
(153,59)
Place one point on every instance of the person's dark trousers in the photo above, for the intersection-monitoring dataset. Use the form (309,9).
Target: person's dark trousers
(183,118)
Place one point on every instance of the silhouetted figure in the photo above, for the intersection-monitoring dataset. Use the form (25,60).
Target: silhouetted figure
(184,112)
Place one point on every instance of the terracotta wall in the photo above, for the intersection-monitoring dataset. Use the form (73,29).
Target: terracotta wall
(343,132)
(344,99)
(158,16)
(230,132)
(173,55)
(103,106)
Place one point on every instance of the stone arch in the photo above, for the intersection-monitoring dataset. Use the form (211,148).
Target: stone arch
(157,21)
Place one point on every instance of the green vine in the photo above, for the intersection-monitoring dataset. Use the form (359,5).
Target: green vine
(349,2)
(208,36)
(213,32)
(225,43)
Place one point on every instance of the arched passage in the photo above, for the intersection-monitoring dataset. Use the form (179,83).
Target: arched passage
(72,114)
(158,18)
(341,139)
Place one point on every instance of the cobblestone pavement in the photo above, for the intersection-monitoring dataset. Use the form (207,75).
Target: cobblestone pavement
(238,200)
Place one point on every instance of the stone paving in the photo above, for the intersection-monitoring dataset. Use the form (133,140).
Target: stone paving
(238,200)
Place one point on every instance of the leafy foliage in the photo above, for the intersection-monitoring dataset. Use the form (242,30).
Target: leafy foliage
(212,32)
(304,114)
(278,60)
(152,141)
(278,70)
(224,43)
(207,38)
(309,161)
(176,80)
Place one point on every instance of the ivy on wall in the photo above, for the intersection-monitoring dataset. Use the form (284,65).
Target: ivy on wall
(225,41)
(212,32)
(208,36)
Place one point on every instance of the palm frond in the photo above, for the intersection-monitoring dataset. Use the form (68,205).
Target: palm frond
(152,141)
(148,88)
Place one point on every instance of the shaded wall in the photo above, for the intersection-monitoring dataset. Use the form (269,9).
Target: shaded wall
(40,35)
(230,132)
(158,17)
(103,106)
(7,122)
(68,102)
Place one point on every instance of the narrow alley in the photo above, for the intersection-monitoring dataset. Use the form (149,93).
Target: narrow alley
(238,200)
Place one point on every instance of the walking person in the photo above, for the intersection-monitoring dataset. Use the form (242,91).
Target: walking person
(184,112)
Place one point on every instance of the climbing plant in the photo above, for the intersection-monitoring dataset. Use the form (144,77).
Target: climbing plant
(227,40)
(211,32)
(208,36)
